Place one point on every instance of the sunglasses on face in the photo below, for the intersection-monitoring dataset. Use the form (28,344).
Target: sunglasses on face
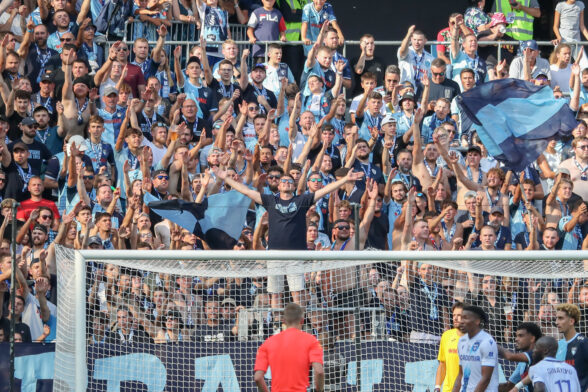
(162,177)
(316,180)
(66,39)
(240,243)
(287,181)
(272,177)
(438,73)
(45,216)
(342,227)
(88,177)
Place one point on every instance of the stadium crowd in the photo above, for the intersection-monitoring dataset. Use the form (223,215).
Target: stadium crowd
(87,129)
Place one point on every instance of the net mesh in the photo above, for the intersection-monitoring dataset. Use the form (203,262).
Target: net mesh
(174,325)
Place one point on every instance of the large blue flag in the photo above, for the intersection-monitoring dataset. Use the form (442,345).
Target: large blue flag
(516,119)
(218,219)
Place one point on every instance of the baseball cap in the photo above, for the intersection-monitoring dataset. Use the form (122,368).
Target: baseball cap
(47,77)
(40,227)
(79,141)
(159,171)
(563,170)
(28,121)
(20,146)
(496,209)
(258,65)
(109,90)
(388,119)
(408,95)
(530,44)
(94,240)
(498,18)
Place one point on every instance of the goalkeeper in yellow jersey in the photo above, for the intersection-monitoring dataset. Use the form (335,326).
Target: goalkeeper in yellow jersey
(448,358)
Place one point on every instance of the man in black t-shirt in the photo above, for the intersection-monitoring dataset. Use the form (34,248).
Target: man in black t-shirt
(287,222)
(367,62)
(39,154)
(440,86)
(215,329)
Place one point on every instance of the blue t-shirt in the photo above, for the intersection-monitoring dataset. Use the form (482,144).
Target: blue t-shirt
(51,139)
(315,20)
(204,97)
(215,27)
(572,240)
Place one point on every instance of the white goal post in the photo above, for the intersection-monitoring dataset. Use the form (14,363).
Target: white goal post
(71,370)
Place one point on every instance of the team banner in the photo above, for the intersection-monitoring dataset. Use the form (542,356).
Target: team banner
(221,366)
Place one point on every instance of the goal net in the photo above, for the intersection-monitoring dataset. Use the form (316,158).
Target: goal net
(192,321)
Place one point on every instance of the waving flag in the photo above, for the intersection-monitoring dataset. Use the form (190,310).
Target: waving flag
(516,119)
(218,219)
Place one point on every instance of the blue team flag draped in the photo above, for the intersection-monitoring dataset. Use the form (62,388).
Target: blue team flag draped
(516,119)
(218,219)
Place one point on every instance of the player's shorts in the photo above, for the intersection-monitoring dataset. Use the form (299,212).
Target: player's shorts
(275,283)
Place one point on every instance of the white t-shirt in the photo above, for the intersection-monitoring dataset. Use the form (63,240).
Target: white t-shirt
(31,315)
(556,375)
(414,65)
(481,350)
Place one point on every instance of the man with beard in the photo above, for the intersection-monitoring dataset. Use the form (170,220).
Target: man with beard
(549,373)
(39,154)
(287,221)
(45,97)
(112,114)
(549,239)
(51,137)
(38,56)
(362,163)
(473,179)
(404,162)
(158,145)
(331,41)
(78,100)
(19,172)
(255,92)
(424,163)
(527,335)
(38,238)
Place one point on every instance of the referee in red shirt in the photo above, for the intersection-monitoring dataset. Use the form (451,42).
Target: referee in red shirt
(289,354)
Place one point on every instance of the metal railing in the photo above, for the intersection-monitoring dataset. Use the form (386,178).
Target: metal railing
(239,35)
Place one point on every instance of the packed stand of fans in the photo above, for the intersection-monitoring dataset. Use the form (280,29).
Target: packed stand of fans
(86,130)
